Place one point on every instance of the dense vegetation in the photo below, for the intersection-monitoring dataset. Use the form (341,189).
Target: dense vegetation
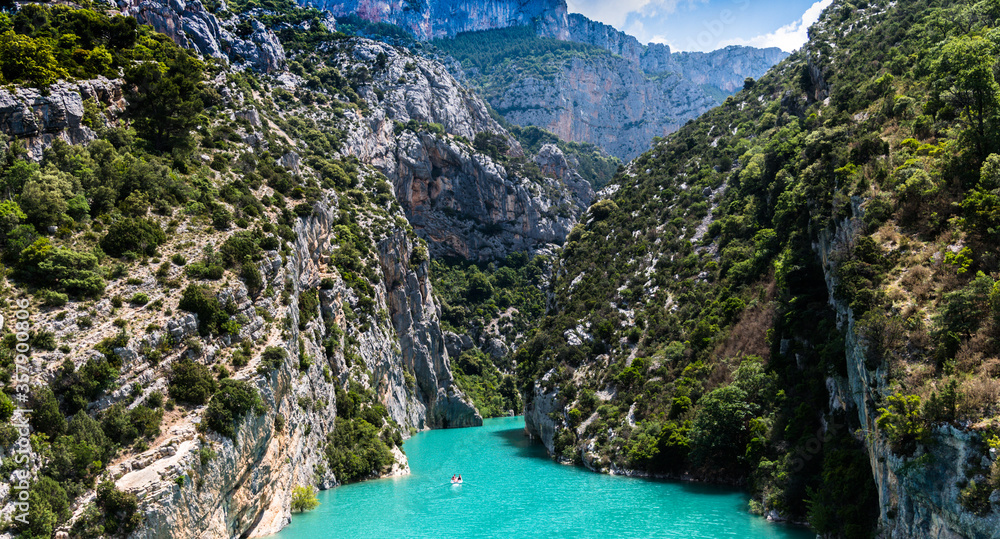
(157,217)
(485,301)
(697,294)
(504,54)
(591,162)
(361,444)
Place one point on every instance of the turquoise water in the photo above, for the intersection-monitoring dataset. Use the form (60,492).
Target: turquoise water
(512,489)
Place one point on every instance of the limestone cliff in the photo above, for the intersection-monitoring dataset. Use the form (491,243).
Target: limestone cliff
(190,25)
(463,202)
(618,102)
(918,495)
(431,19)
(36,118)
(724,69)
(606,101)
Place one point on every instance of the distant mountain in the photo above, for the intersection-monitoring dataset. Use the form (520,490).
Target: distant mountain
(431,19)
(583,80)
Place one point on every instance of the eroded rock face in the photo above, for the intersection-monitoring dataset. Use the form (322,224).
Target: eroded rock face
(37,118)
(415,317)
(190,25)
(245,489)
(725,68)
(606,101)
(915,499)
(430,19)
(462,202)
(537,422)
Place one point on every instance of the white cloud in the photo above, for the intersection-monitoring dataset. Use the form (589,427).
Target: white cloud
(613,13)
(663,40)
(618,13)
(788,37)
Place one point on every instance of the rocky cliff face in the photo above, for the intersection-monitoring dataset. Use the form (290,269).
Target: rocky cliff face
(245,490)
(607,101)
(918,495)
(37,118)
(463,202)
(190,25)
(431,19)
(724,69)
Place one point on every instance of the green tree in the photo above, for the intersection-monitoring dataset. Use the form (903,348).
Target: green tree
(45,198)
(902,423)
(235,399)
(982,203)
(137,235)
(165,100)
(304,499)
(720,432)
(23,59)
(191,382)
(966,68)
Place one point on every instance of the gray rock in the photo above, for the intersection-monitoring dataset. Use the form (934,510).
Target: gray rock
(39,117)
(127,355)
(496,349)
(291,161)
(190,25)
(463,203)
(431,19)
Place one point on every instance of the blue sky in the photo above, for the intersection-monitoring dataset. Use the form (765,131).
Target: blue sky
(704,25)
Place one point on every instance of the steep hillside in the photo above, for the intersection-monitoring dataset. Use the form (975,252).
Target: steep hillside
(225,299)
(582,80)
(431,19)
(796,291)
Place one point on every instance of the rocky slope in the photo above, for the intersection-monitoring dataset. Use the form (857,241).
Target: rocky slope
(37,118)
(779,310)
(724,69)
(190,25)
(431,19)
(335,318)
(618,103)
(462,202)
(915,500)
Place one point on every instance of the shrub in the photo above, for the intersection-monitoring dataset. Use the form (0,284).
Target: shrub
(241,247)
(138,235)
(354,450)
(197,299)
(124,426)
(191,382)
(304,499)
(48,505)
(51,298)
(121,509)
(272,358)
(252,278)
(902,423)
(62,269)
(139,299)
(234,400)
(199,270)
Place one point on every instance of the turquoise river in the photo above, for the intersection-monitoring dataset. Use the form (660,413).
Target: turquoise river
(512,489)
